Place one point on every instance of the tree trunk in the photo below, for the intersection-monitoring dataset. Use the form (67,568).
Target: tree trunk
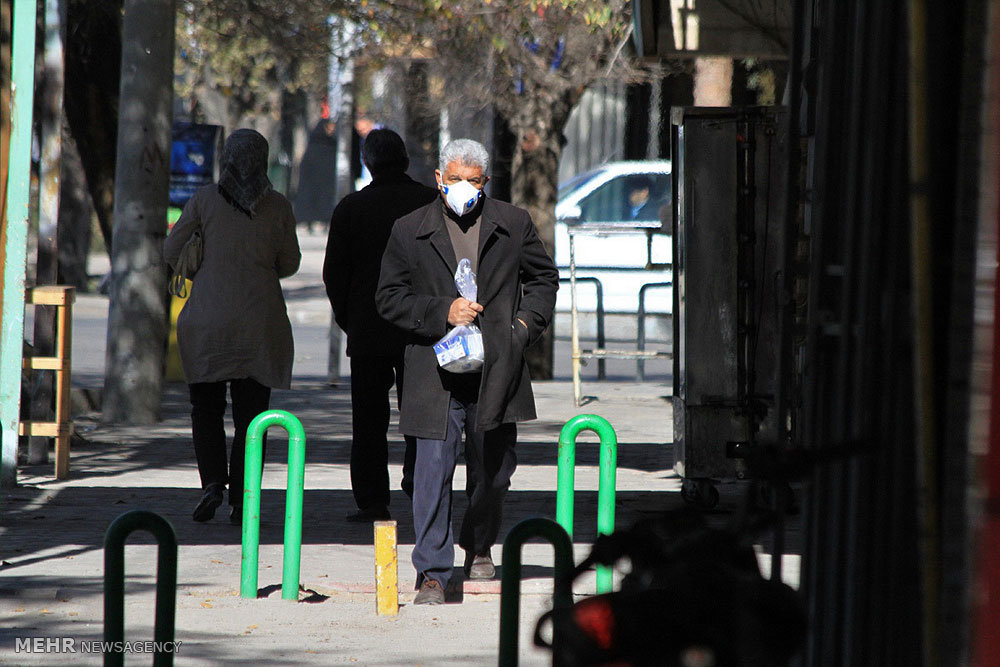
(137,319)
(422,125)
(50,103)
(342,104)
(75,215)
(534,187)
(713,81)
(93,69)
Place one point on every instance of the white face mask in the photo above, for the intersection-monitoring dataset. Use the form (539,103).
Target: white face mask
(461,197)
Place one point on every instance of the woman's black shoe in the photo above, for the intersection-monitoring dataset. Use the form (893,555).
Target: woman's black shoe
(236,515)
(210,500)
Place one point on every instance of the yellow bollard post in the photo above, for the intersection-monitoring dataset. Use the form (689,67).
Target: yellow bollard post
(386,569)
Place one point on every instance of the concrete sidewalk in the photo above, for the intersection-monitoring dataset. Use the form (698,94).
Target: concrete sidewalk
(52,559)
(52,532)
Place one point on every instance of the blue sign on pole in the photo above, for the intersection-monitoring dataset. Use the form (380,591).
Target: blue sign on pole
(194,159)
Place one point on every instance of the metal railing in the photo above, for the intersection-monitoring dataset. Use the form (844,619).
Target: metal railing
(578,355)
(599,288)
(640,363)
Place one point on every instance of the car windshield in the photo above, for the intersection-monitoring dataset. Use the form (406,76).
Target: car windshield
(638,196)
(576,181)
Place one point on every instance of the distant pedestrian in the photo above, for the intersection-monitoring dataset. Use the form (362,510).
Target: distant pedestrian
(359,230)
(315,195)
(234,330)
(517,284)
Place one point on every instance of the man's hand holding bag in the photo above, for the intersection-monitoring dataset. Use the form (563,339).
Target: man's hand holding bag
(461,349)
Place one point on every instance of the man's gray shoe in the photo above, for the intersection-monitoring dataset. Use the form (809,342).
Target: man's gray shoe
(430,593)
(481,567)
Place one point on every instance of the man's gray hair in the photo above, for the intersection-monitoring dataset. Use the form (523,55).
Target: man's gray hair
(466,152)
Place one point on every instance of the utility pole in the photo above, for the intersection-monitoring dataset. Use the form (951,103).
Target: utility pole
(137,319)
(15,234)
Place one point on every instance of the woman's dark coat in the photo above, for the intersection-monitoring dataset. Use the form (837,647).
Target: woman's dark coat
(235,325)
(516,279)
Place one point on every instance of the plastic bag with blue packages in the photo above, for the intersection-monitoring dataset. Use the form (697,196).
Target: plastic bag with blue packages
(461,349)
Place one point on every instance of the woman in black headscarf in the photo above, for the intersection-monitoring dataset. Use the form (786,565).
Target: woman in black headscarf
(234,330)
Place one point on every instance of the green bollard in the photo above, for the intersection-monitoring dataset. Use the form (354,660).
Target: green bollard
(510,582)
(606,481)
(114,583)
(293,503)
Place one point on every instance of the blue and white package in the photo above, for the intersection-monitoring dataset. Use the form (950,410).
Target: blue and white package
(461,349)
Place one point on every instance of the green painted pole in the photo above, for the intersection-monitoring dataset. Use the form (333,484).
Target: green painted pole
(293,502)
(510,581)
(114,583)
(16,227)
(606,481)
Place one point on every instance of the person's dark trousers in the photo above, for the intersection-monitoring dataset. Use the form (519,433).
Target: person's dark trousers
(490,459)
(208,409)
(372,376)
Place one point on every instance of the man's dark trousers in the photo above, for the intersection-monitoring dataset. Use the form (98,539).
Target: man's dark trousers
(490,460)
(372,376)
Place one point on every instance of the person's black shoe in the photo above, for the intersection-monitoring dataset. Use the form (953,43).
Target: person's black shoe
(236,515)
(480,567)
(430,593)
(370,514)
(211,498)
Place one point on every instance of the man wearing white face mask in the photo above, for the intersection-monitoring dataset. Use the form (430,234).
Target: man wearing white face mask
(517,284)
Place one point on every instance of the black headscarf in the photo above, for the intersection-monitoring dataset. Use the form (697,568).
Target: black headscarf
(243,180)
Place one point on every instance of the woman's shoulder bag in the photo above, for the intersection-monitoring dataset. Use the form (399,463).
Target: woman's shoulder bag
(187,264)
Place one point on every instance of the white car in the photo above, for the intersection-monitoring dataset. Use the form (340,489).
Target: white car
(610,198)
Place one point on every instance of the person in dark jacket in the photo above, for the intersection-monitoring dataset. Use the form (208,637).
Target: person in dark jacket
(314,196)
(234,330)
(517,284)
(359,230)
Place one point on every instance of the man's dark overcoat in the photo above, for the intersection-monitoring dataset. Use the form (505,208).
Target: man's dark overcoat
(516,279)
(359,230)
